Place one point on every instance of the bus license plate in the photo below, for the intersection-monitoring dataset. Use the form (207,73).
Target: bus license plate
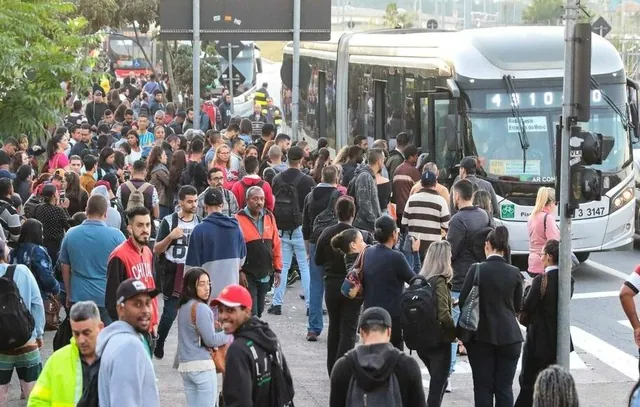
(583,213)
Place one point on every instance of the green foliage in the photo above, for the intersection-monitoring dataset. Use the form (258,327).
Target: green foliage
(182,58)
(393,17)
(544,12)
(119,13)
(42,45)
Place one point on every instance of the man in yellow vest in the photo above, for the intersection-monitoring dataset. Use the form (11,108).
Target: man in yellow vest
(272,112)
(262,95)
(61,382)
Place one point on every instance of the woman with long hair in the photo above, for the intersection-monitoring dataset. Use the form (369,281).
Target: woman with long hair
(118,115)
(56,148)
(22,183)
(482,199)
(133,139)
(106,163)
(23,143)
(196,335)
(437,271)
(19,159)
(32,254)
(245,131)
(158,176)
(76,195)
(342,156)
(542,227)
(178,164)
(494,348)
(113,100)
(222,161)
(265,150)
(322,161)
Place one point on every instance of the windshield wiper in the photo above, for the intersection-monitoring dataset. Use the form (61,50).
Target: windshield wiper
(623,117)
(515,111)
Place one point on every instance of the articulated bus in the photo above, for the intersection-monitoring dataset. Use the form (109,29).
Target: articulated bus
(452,92)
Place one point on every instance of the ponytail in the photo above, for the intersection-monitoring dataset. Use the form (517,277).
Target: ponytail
(499,240)
(342,240)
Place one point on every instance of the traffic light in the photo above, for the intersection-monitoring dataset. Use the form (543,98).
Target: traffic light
(587,149)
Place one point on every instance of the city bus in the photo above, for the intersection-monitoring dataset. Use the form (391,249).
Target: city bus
(452,92)
(125,52)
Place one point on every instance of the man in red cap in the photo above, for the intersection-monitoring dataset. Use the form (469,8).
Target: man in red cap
(254,356)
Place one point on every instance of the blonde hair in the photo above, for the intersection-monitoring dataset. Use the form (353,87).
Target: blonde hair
(437,262)
(342,156)
(545,196)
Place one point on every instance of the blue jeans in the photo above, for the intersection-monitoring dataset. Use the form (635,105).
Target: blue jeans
(413,258)
(454,345)
(316,292)
(169,313)
(292,242)
(201,388)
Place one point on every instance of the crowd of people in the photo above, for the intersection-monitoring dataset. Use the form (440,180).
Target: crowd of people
(130,205)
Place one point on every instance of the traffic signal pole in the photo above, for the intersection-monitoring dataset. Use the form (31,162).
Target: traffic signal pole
(196,64)
(568,119)
(295,81)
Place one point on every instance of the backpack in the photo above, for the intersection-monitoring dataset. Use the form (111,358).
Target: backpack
(281,384)
(385,395)
(136,196)
(186,178)
(477,240)
(287,210)
(16,322)
(328,216)
(420,326)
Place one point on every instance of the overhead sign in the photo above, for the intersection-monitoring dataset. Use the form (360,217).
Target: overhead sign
(223,49)
(601,27)
(236,20)
(432,24)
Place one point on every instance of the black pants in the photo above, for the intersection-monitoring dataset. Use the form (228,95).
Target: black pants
(493,368)
(531,366)
(258,293)
(343,321)
(438,361)
(396,333)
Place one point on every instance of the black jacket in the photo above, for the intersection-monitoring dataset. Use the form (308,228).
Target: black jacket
(371,366)
(348,171)
(315,202)
(542,315)
(462,226)
(243,385)
(500,296)
(333,261)
(94,112)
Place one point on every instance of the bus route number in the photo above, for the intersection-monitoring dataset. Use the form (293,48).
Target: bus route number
(590,212)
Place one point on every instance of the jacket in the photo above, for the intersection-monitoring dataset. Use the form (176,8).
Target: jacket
(243,385)
(542,315)
(366,196)
(539,233)
(264,252)
(444,307)
(500,297)
(95,111)
(315,202)
(333,261)
(221,258)
(37,259)
(395,159)
(126,376)
(160,180)
(126,262)
(10,220)
(371,366)
(478,183)
(405,176)
(240,190)
(229,208)
(60,382)
(348,172)
(461,227)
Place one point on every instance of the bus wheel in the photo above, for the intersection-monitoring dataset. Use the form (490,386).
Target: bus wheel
(582,256)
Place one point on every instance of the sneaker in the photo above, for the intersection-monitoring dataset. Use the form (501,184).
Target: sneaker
(448,388)
(292,277)
(275,310)
(158,352)
(312,336)
(302,297)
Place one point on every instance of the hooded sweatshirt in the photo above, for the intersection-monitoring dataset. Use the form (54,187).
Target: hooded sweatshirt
(126,377)
(240,190)
(366,196)
(160,180)
(371,366)
(114,220)
(222,258)
(243,384)
(316,202)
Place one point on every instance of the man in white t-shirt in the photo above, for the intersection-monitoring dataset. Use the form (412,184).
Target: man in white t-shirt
(171,246)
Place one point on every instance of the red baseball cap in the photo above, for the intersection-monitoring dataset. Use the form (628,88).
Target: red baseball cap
(234,295)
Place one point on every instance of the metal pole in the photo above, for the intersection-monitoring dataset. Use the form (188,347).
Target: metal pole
(467,7)
(196,64)
(295,81)
(568,117)
(230,59)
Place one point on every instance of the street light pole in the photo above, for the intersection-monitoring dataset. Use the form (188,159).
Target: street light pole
(196,64)
(295,81)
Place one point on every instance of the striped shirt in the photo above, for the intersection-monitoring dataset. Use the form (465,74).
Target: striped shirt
(426,215)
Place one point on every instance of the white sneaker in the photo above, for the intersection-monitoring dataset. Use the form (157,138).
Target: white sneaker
(448,388)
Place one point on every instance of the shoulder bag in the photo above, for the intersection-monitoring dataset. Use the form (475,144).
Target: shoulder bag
(470,312)
(525,318)
(352,284)
(218,355)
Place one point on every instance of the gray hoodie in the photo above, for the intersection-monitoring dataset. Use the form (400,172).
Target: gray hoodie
(113,216)
(126,377)
(366,196)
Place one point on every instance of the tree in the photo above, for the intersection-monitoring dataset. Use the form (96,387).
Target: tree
(395,17)
(547,12)
(43,44)
(182,64)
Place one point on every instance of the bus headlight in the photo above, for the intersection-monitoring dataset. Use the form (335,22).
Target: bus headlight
(621,199)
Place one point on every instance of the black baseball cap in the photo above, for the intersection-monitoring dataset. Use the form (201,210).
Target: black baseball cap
(213,197)
(132,287)
(468,163)
(428,179)
(295,153)
(182,114)
(375,316)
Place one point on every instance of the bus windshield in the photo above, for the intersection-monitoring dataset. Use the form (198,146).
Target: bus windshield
(126,53)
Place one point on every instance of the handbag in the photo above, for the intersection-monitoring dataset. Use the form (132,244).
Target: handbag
(352,284)
(470,312)
(219,354)
(51,303)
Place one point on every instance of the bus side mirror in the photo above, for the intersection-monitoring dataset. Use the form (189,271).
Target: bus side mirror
(259,64)
(451,132)
(633,107)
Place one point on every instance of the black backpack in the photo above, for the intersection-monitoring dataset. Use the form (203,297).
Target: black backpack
(281,392)
(420,326)
(386,395)
(328,216)
(287,210)
(16,322)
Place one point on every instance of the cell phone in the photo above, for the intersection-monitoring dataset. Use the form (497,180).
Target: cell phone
(62,195)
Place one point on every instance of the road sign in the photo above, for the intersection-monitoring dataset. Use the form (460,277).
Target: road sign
(601,27)
(432,24)
(351,24)
(236,20)
(238,78)
(223,49)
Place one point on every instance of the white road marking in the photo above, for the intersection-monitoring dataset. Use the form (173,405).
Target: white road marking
(608,270)
(626,323)
(612,356)
(598,294)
